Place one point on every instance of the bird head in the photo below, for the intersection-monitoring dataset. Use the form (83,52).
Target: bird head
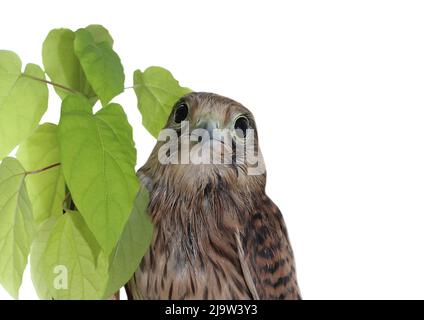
(208,137)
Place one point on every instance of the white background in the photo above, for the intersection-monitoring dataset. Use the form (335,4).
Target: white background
(337,89)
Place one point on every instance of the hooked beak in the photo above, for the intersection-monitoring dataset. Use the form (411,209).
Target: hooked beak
(209,125)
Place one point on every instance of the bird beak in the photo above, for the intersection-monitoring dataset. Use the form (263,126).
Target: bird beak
(209,125)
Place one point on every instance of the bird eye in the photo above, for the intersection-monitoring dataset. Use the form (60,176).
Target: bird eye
(241,125)
(181,112)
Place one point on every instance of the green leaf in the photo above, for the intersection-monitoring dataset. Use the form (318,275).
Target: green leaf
(46,189)
(132,245)
(23,101)
(66,261)
(100,63)
(98,159)
(100,34)
(16,225)
(62,65)
(157,91)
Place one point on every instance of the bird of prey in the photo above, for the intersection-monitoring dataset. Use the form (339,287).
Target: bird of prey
(216,235)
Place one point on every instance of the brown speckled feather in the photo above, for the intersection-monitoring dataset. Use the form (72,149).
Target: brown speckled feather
(269,254)
(216,233)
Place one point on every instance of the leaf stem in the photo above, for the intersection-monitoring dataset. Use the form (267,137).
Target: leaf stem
(43,169)
(133,86)
(51,83)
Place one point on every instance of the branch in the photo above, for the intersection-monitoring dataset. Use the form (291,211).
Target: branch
(43,169)
(51,83)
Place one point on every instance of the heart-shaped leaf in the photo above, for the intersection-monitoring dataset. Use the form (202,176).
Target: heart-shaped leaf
(100,63)
(62,65)
(157,91)
(98,159)
(16,225)
(23,101)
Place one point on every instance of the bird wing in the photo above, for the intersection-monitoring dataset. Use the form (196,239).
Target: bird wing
(266,256)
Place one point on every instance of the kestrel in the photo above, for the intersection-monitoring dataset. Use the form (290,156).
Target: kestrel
(217,235)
